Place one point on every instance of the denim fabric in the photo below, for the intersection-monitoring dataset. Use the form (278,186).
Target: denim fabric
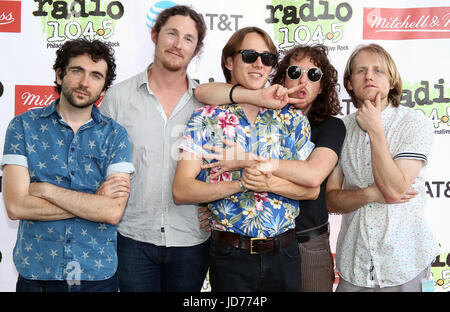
(41,141)
(26,285)
(147,267)
(233,269)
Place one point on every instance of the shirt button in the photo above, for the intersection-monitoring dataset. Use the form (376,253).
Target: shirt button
(72,173)
(72,149)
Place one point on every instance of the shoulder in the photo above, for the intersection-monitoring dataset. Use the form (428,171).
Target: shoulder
(334,122)
(349,120)
(333,125)
(111,126)
(129,84)
(412,118)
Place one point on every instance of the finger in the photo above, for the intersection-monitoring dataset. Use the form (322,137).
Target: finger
(293,100)
(210,165)
(217,174)
(229,142)
(212,156)
(253,171)
(281,92)
(378,100)
(213,148)
(294,89)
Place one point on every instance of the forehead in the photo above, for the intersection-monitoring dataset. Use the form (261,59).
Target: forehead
(366,58)
(302,61)
(183,24)
(255,42)
(85,61)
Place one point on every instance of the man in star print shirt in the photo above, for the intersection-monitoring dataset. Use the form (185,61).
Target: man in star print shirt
(56,160)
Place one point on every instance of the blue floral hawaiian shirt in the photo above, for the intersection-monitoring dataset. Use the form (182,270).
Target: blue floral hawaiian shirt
(276,134)
(72,249)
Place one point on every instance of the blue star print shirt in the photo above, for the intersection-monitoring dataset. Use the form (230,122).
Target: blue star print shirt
(72,249)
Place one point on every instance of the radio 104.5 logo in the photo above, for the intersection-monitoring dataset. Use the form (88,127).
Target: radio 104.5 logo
(72,19)
(309,21)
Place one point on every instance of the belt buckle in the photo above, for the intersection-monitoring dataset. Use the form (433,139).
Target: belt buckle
(252,239)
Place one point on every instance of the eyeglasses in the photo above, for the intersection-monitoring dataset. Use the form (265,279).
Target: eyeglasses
(294,72)
(250,56)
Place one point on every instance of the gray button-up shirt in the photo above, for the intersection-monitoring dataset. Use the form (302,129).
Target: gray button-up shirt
(151,215)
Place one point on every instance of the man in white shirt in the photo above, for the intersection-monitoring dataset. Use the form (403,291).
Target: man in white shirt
(160,245)
(384,242)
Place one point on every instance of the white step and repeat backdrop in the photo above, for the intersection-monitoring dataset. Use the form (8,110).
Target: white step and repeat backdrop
(415,32)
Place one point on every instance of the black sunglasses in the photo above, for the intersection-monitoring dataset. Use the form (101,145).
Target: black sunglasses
(294,72)
(267,58)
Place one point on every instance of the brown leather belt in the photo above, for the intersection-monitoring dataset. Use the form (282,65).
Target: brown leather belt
(254,244)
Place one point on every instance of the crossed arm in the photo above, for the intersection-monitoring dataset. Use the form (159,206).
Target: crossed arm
(47,202)
(187,189)
(393,178)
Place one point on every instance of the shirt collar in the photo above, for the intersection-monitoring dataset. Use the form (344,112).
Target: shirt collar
(97,117)
(142,79)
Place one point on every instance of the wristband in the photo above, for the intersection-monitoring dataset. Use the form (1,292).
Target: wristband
(231,93)
(243,188)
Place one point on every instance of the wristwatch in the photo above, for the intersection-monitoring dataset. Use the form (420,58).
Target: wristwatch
(243,188)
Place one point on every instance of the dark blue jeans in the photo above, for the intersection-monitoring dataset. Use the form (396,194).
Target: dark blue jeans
(26,285)
(234,269)
(147,267)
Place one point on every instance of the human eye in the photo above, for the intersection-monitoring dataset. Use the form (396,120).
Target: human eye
(75,71)
(96,76)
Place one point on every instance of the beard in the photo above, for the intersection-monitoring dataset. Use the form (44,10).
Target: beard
(172,66)
(73,100)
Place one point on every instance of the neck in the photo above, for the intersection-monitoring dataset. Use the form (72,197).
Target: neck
(161,78)
(74,117)
(250,111)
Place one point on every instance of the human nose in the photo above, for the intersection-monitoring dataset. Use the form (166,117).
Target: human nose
(258,62)
(84,80)
(369,75)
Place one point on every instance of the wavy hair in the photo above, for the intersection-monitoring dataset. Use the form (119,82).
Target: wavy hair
(326,103)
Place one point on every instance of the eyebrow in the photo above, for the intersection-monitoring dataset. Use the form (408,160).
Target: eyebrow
(178,32)
(81,68)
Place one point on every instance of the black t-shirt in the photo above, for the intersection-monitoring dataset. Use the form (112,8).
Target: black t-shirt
(330,134)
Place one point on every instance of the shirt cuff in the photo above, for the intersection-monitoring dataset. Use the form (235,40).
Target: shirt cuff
(14,159)
(122,167)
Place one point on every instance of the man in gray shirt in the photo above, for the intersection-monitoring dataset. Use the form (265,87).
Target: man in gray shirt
(160,245)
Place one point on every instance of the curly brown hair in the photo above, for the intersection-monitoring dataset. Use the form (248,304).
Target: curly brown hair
(96,49)
(327,102)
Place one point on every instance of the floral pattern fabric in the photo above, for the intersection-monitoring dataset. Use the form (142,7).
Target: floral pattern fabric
(276,134)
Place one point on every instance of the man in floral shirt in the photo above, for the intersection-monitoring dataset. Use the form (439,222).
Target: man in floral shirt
(253,243)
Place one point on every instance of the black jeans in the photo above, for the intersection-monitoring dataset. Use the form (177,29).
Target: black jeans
(234,269)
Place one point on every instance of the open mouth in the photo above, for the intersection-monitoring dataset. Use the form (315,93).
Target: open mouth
(301,94)
(256,75)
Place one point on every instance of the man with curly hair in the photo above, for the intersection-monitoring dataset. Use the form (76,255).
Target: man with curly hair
(55,158)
